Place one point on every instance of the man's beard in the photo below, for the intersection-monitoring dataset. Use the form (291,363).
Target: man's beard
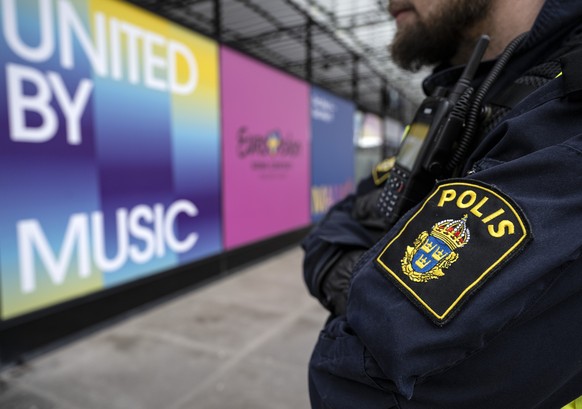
(438,39)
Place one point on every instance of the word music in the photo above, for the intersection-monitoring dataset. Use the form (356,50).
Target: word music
(142,234)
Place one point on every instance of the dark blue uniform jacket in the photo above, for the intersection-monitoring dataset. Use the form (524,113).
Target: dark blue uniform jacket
(512,337)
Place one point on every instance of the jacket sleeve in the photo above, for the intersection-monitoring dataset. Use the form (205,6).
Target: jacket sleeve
(331,248)
(540,170)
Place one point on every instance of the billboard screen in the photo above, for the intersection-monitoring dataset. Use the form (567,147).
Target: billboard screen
(265,124)
(332,150)
(109,149)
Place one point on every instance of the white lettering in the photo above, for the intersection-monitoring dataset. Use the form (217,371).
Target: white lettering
(159,230)
(46,46)
(145,213)
(152,62)
(175,50)
(19,104)
(30,236)
(322,109)
(181,206)
(153,226)
(115,50)
(39,103)
(157,62)
(133,34)
(70,22)
(73,109)
(99,245)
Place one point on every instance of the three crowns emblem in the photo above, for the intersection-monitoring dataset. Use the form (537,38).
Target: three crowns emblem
(432,253)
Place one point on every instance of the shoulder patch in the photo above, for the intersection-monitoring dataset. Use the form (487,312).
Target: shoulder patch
(382,170)
(462,234)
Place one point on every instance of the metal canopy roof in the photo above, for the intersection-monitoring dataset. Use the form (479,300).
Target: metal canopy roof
(340,45)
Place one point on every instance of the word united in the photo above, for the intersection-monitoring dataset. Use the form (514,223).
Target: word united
(114,49)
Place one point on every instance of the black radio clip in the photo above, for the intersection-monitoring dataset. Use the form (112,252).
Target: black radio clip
(428,143)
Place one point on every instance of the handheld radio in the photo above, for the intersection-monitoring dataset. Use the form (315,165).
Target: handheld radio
(428,142)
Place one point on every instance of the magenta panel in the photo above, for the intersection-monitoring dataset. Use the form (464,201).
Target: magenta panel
(266,152)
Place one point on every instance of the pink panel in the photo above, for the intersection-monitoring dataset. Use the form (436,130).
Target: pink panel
(265,130)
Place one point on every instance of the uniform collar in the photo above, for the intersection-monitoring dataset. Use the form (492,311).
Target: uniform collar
(556,18)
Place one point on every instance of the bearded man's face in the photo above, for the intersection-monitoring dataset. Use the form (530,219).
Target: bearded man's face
(431,31)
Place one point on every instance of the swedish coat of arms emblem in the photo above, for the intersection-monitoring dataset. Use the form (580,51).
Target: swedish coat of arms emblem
(434,252)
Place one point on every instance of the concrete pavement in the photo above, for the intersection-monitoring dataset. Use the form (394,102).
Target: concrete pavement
(241,342)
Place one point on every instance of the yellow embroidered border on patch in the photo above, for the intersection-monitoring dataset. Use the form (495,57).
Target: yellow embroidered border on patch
(463,232)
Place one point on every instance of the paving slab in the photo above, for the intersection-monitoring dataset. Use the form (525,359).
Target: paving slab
(243,341)
(292,345)
(15,397)
(275,285)
(125,369)
(254,384)
(223,325)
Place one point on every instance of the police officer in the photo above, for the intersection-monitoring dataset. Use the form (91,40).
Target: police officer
(470,299)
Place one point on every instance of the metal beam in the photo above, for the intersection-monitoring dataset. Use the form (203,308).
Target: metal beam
(355,76)
(276,34)
(217,19)
(309,50)
(365,19)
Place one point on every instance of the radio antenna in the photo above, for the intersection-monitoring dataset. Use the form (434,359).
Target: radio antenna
(470,69)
